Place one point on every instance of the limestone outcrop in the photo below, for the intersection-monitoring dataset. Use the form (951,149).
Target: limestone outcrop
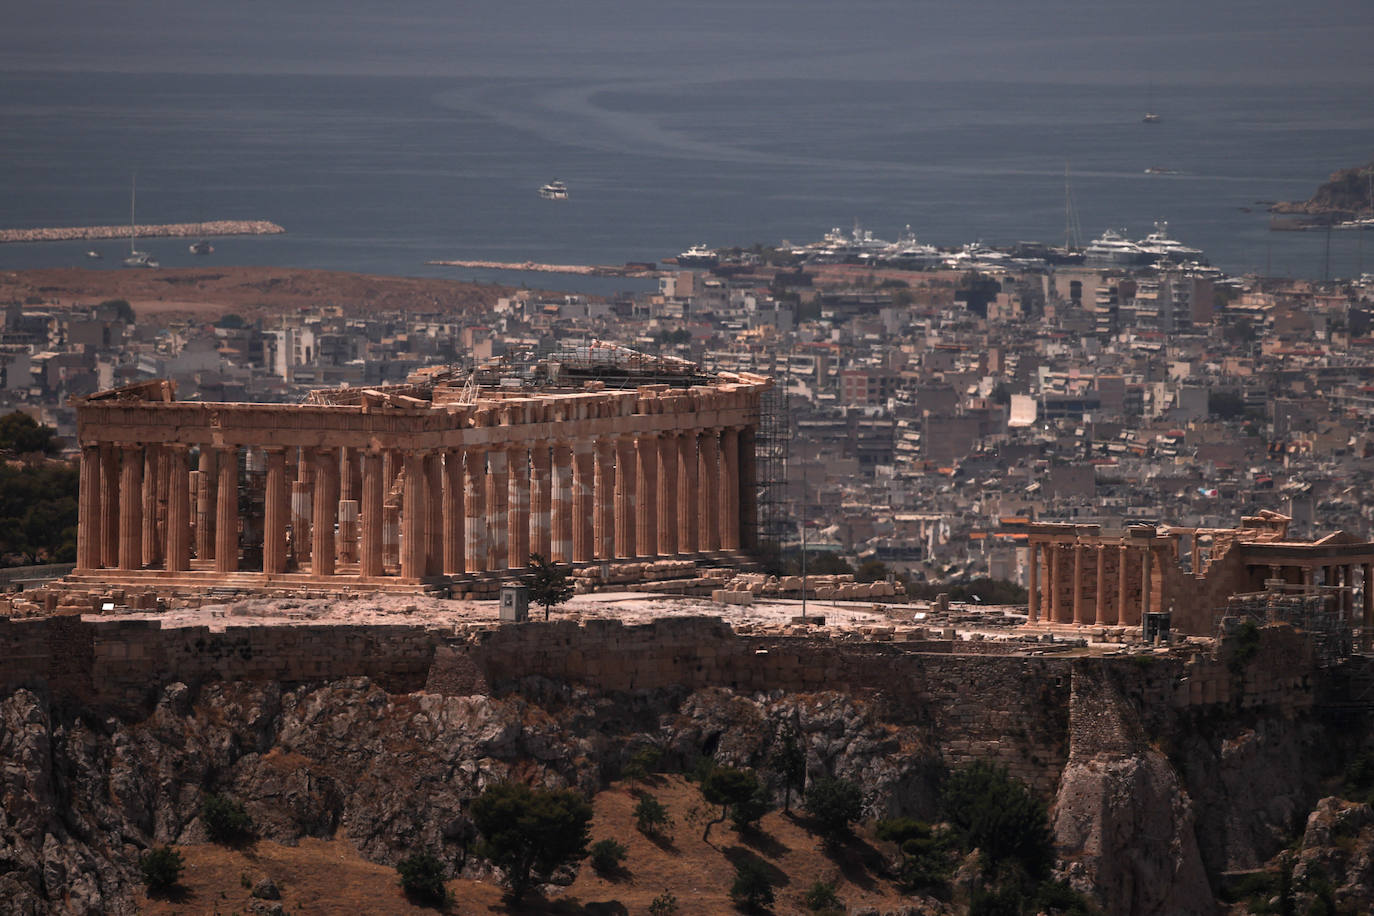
(1123,821)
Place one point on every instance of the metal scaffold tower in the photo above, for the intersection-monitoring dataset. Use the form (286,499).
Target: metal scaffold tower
(770,450)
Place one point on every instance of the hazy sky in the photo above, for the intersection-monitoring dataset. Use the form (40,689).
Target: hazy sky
(1164,41)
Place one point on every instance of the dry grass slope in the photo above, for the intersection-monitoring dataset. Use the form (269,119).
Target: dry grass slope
(328,878)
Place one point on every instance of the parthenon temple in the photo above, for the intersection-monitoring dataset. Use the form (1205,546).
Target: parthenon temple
(433,482)
(1083,576)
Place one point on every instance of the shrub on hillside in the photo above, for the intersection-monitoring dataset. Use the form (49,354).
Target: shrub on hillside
(225,819)
(422,878)
(531,833)
(665,904)
(739,795)
(752,891)
(651,817)
(161,869)
(821,898)
(991,811)
(834,804)
(608,855)
(925,864)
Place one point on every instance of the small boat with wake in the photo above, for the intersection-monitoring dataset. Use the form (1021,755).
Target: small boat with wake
(554,190)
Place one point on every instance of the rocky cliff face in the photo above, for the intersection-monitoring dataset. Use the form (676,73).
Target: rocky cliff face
(84,795)
(84,798)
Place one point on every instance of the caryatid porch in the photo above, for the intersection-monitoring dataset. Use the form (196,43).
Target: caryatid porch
(410,485)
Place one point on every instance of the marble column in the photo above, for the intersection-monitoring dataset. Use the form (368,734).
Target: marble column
(625,506)
(646,485)
(498,492)
(161,496)
(1100,603)
(518,509)
(370,552)
(1078,585)
(729,488)
(1055,614)
(178,509)
(109,506)
(1163,557)
(1033,582)
(562,519)
(350,491)
(1123,557)
(434,513)
(131,507)
(453,511)
(541,507)
(667,494)
(303,508)
(276,513)
(88,510)
(206,501)
(391,533)
(708,491)
(1145,573)
(413,518)
(584,540)
(688,505)
(474,510)
(227,510)
(300,525)
(324,502)
(152,550)
(604,499)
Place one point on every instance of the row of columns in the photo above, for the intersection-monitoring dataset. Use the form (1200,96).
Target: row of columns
(421,513)
(1112,602)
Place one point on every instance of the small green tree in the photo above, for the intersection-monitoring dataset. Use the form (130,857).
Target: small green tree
(608,855)
(739,795)
(752,890)
(991,811)
(226,820)
(161,869)
(548,583)
(422,878)
(665,904)
(787,762)
(22,434)
(651,817)
(925,854)
(643,764)
(835,804)
(531,833)
(820,897)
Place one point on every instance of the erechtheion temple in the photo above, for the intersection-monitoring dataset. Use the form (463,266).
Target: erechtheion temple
(435,481)
(1083,576)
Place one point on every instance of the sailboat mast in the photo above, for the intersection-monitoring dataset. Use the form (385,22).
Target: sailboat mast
(133,197)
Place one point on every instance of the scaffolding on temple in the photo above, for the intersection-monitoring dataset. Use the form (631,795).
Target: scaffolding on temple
(770,450)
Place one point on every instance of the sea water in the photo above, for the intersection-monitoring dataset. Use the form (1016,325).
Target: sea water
(380,172)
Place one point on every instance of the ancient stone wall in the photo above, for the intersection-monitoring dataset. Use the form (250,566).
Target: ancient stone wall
(1012,709)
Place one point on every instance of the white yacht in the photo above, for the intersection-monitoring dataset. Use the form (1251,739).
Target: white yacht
(698,256)
(1158,245)
(554,190)
(910,252)
(1112,248)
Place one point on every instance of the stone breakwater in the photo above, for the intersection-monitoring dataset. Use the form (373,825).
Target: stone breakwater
(166,230)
